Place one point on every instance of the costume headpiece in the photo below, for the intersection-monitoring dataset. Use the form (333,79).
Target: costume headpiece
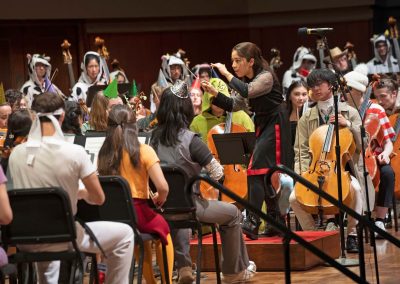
(180,89)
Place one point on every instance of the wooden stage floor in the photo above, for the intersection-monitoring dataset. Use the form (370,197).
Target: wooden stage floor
(388,259)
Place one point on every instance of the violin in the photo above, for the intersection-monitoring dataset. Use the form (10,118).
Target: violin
(6,150)
(322,171)
(3,136)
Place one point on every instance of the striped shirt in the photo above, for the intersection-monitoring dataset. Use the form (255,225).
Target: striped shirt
(384,122)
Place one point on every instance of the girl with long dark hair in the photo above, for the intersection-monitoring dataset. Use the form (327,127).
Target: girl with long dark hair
(176,144)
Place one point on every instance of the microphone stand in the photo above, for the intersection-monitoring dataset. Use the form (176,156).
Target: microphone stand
(342,259)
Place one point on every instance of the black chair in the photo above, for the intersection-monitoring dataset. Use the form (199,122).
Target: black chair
(9,270)
(118,207)
(42,216)
(180,212)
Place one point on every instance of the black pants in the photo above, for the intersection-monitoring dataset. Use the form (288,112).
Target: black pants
(258,194)
(386,187)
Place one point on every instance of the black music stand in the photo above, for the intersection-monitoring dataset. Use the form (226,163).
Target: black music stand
(234,148)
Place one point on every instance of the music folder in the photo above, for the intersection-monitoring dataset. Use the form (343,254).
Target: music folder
(235,148)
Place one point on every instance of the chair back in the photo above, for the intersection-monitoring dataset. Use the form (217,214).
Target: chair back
(179,208)
(40,215)
(117,207)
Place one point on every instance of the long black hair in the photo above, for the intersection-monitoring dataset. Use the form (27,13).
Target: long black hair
(294,85)
(250,50)
(71,122)
(175,113)
(121,135)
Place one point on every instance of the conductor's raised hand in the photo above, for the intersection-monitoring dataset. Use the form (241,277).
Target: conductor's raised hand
(221,68)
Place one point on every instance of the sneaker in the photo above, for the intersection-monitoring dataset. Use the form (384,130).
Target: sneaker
(380,225)
(331,226)
(185,275)
(252,267)
(241,277)
(352,244)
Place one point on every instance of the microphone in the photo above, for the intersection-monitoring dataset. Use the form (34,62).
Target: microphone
(316,31)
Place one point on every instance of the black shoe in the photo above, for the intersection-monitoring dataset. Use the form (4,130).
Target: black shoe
(352,244)
(269,231)
(250,226)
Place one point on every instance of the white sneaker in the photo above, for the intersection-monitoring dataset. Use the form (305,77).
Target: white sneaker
(252,267)
(241,277)
(331,226)
(380,225)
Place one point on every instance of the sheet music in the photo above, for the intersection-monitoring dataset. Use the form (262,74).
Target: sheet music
(142,139)
(92,146)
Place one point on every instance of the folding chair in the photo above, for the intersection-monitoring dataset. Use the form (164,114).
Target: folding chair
(180,212)
(42,216)
(9,270)
(118,207)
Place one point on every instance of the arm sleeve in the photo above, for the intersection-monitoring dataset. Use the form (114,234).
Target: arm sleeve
(222,101)
(261,84)
(199,152)
(301,147)
(355,127)
(148,155)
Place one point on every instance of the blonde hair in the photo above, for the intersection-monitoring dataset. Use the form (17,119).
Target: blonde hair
(98,112)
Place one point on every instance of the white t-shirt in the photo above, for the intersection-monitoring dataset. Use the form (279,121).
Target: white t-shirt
(61,164)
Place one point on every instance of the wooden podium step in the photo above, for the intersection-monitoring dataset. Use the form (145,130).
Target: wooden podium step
(268,254)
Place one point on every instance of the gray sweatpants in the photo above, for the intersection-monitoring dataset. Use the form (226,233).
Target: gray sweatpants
(234,253)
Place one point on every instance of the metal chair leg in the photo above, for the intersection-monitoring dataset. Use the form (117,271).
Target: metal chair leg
(395,216)
(132,270)
(141,260)
(94,273)
(199,252)
(165,259)
(216,256)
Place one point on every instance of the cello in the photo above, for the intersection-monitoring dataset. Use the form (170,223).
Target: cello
(104,56)
(275,62)
(375,136)
(395,159)
(322,170)
(351,55)
(68,61)
(235,175)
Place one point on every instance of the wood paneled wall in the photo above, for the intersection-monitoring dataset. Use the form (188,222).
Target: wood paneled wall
(140,52)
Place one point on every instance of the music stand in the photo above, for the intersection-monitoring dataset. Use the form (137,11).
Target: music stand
(234,148)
